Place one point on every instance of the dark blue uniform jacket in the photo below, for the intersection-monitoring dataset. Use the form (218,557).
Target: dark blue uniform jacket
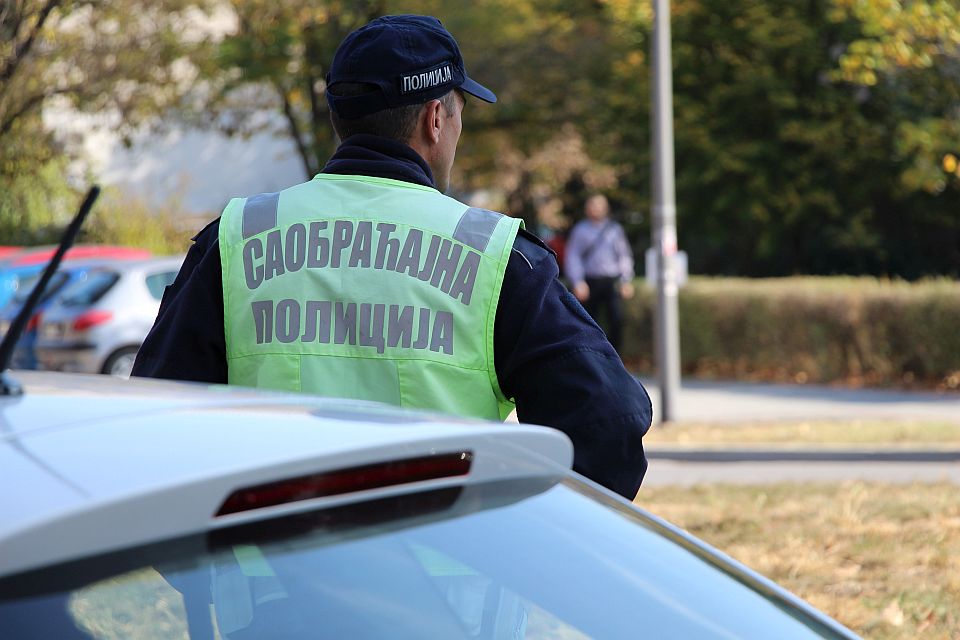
(550,356)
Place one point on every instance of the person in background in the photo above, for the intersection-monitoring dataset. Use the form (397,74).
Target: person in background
(599,266)
(368,282)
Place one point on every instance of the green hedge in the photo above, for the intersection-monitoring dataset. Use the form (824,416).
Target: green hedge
(120,218)
(843,329)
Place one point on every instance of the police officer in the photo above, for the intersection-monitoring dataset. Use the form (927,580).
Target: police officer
(367,282)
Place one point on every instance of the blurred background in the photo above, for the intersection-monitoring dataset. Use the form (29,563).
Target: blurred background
(817,148)
(817,138)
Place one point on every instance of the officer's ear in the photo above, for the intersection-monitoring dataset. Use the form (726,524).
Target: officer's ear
(425,138)
(432,120)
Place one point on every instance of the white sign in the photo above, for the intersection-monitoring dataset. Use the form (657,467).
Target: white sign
(679,267)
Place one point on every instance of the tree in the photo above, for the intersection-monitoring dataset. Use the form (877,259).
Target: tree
(912,48)
(783,166)
(125,58)
(277,59)
(919,34)
(539,57)
(813,137)
(549,62)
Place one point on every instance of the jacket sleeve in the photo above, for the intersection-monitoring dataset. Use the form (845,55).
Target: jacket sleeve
(186,341)
(562,372)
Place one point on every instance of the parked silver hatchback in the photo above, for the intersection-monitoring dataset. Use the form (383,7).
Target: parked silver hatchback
(98,323)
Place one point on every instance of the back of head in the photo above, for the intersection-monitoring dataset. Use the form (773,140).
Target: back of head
(383,72)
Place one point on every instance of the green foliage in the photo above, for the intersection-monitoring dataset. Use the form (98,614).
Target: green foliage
(123,58)
(820,137)
(858,330)
(912,51)
(898,35)
(278,58)
(549,62)
(34,206)
(123,220)
(281,51)
(781,167)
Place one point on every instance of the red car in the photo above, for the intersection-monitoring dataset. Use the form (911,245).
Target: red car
(40,255)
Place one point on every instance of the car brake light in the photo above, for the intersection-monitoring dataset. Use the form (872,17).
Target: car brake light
(373,476)
(90,319)
(33,322)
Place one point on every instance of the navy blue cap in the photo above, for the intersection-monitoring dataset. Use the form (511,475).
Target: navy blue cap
(409,59)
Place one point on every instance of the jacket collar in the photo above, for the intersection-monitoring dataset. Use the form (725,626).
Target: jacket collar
(367,155)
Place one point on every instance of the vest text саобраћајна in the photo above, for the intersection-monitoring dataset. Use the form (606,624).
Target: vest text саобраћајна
(358,245)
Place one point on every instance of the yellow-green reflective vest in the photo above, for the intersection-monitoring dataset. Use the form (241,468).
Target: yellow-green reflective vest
(368,288)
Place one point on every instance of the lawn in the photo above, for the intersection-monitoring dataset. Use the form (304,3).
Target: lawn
(882,559)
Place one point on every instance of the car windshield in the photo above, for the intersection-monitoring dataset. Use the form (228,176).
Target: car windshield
(499,560)
(92,286)
(26,286)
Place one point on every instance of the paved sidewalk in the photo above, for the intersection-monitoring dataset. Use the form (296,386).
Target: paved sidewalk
(670,472)
(740,402)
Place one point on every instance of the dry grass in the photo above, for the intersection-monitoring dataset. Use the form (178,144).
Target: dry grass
(882,559)
(897,433)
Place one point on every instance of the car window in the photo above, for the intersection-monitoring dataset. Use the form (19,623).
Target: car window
(157,282)
(89,289)
(26,286)
(509,560)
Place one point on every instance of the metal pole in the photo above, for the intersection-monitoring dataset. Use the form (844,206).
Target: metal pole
(666,329)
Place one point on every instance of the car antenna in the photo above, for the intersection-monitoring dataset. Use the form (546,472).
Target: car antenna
(8,386)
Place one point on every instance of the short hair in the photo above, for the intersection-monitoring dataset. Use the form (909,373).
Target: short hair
(396,123)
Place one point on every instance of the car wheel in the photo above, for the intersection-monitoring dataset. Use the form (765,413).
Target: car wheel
(120,362)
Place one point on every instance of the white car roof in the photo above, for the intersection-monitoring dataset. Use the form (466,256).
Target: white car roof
(92,465)
(144,264)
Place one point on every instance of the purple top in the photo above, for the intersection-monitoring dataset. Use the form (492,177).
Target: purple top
(598,250)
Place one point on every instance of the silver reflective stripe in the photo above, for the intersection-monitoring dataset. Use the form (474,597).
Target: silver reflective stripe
(476,227)
(260,213)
